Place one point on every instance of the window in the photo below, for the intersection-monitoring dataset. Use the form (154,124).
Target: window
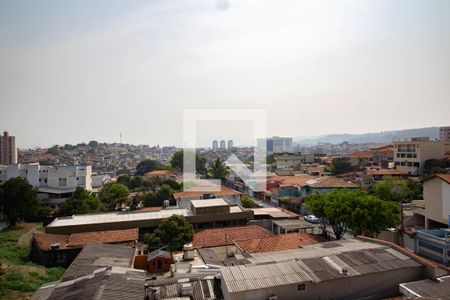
(301,287)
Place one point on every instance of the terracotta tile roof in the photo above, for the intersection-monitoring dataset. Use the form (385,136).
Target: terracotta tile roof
(332,182)
(45,240)
(292,180)
(278,242)
(384,153)
(224,191)
(225,236)
(162,172)
(362,154)
(445,177)
(386,172)
(105,237)
(78,240)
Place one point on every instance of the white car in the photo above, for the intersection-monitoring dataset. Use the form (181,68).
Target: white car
(312,219)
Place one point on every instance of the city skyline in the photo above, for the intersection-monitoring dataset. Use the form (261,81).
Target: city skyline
(78,71)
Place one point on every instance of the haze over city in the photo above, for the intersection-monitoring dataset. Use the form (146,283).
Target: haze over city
(81,70)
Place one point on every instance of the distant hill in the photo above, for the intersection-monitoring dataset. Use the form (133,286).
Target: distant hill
(383,137)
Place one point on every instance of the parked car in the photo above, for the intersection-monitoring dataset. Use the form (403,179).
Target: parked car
(312,219)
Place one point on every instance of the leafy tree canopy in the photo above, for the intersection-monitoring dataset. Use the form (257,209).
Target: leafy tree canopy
(177,162)
(358,211)
(81,202)
(146,166)
(248,202)
(93,144)
(397,189)
(218,170)
(113,195)
(174,232)
(18,200)
(341,165)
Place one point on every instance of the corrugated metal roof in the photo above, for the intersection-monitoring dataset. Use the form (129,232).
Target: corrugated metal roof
(312,263)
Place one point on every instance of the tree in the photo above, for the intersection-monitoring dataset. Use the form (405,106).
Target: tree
(153,241)
(435,166)
(358,211)
(174,232)
(93,144)
(150,199)
(173,184)
(177,162)
(164,192)
(113,195)
(341,165)
(394,189)
(132,182)
(53,150)
(248,202)
(218,170)
(18,200)
(81,202)
(146,166)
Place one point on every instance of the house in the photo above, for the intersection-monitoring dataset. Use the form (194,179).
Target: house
(436,194)
(162,174)
(54,184)
(410,156)
(100,271)
(345,269)
(225,236)
(60,250)
(277,242)
(159,261)
(205,213)
(361,158)
(289,161)
(183,198)
(326,184)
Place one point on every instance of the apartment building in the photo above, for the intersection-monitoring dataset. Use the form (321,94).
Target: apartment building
(276,144)
(410,156)
(288,161)
(8,149)
(444,133)
(54,183)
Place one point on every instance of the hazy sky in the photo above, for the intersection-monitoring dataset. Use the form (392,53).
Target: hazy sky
(74,71)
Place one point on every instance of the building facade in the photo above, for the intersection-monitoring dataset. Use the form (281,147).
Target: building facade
(444,133)
(277,144)
(54,183)
(410,156)
(8,149)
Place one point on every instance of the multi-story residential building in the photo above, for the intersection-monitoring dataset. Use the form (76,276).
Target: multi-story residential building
(287,161)
(8,149)
(444,133)
(411,155)
(53,183)
(215,145)
(223,145)
(277,144)
(230,144)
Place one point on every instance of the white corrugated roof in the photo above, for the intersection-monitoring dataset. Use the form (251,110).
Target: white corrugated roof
(118,217)
(209,202)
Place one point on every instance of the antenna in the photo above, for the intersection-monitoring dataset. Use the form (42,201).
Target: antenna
(121,137)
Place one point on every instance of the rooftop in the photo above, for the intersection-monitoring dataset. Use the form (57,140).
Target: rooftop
(76,240)
(104,283)
(331,182)
(224,191)
(386,172)
(95,256)
(274,212)
(439,289)
(225,236)
(313,263)
(278,242)
(300,180)
(293,224)
(209,203)
(117,217)
(161,172)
